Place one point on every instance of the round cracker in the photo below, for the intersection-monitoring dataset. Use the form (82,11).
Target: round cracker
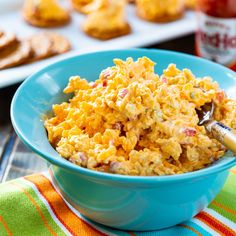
(6,39)
(46,23)
(60,44)
(41,46)
(84,7)
(107,33)
(35,20)
(15,54)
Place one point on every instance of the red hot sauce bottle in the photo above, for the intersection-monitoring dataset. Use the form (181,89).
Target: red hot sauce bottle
(216,35)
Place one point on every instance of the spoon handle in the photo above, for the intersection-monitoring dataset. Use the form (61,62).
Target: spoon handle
(222,133)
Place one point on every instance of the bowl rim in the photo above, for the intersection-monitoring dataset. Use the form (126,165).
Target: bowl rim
(63,163)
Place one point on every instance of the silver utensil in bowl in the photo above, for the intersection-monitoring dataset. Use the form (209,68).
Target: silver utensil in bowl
(219,131)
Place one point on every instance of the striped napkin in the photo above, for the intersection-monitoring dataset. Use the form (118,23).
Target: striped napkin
(32,206)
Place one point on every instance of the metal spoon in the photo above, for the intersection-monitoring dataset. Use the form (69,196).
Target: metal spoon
(218,130)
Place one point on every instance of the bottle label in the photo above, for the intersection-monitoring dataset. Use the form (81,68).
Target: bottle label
(216,39)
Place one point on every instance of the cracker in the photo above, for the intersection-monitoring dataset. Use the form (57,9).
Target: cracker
(45,23)
(108,33)
(15,54)
(59,43)
(190,4)
(41,46)
(6,39)
(159,19)
(37,13)
(80,5)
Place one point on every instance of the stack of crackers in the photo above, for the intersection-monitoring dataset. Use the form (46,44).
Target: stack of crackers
(14,52)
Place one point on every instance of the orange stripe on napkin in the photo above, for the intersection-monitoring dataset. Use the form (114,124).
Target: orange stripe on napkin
(191,228)
(233,171)
(223,207)
(74,224)
(215,224)
(5,226)
(37,207)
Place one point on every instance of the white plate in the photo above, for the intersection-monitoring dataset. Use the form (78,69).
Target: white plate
(143,33)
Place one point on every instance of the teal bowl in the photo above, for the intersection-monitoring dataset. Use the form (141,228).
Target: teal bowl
(123,202)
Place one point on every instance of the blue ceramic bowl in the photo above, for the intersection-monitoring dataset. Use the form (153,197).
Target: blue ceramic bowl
(124,202)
